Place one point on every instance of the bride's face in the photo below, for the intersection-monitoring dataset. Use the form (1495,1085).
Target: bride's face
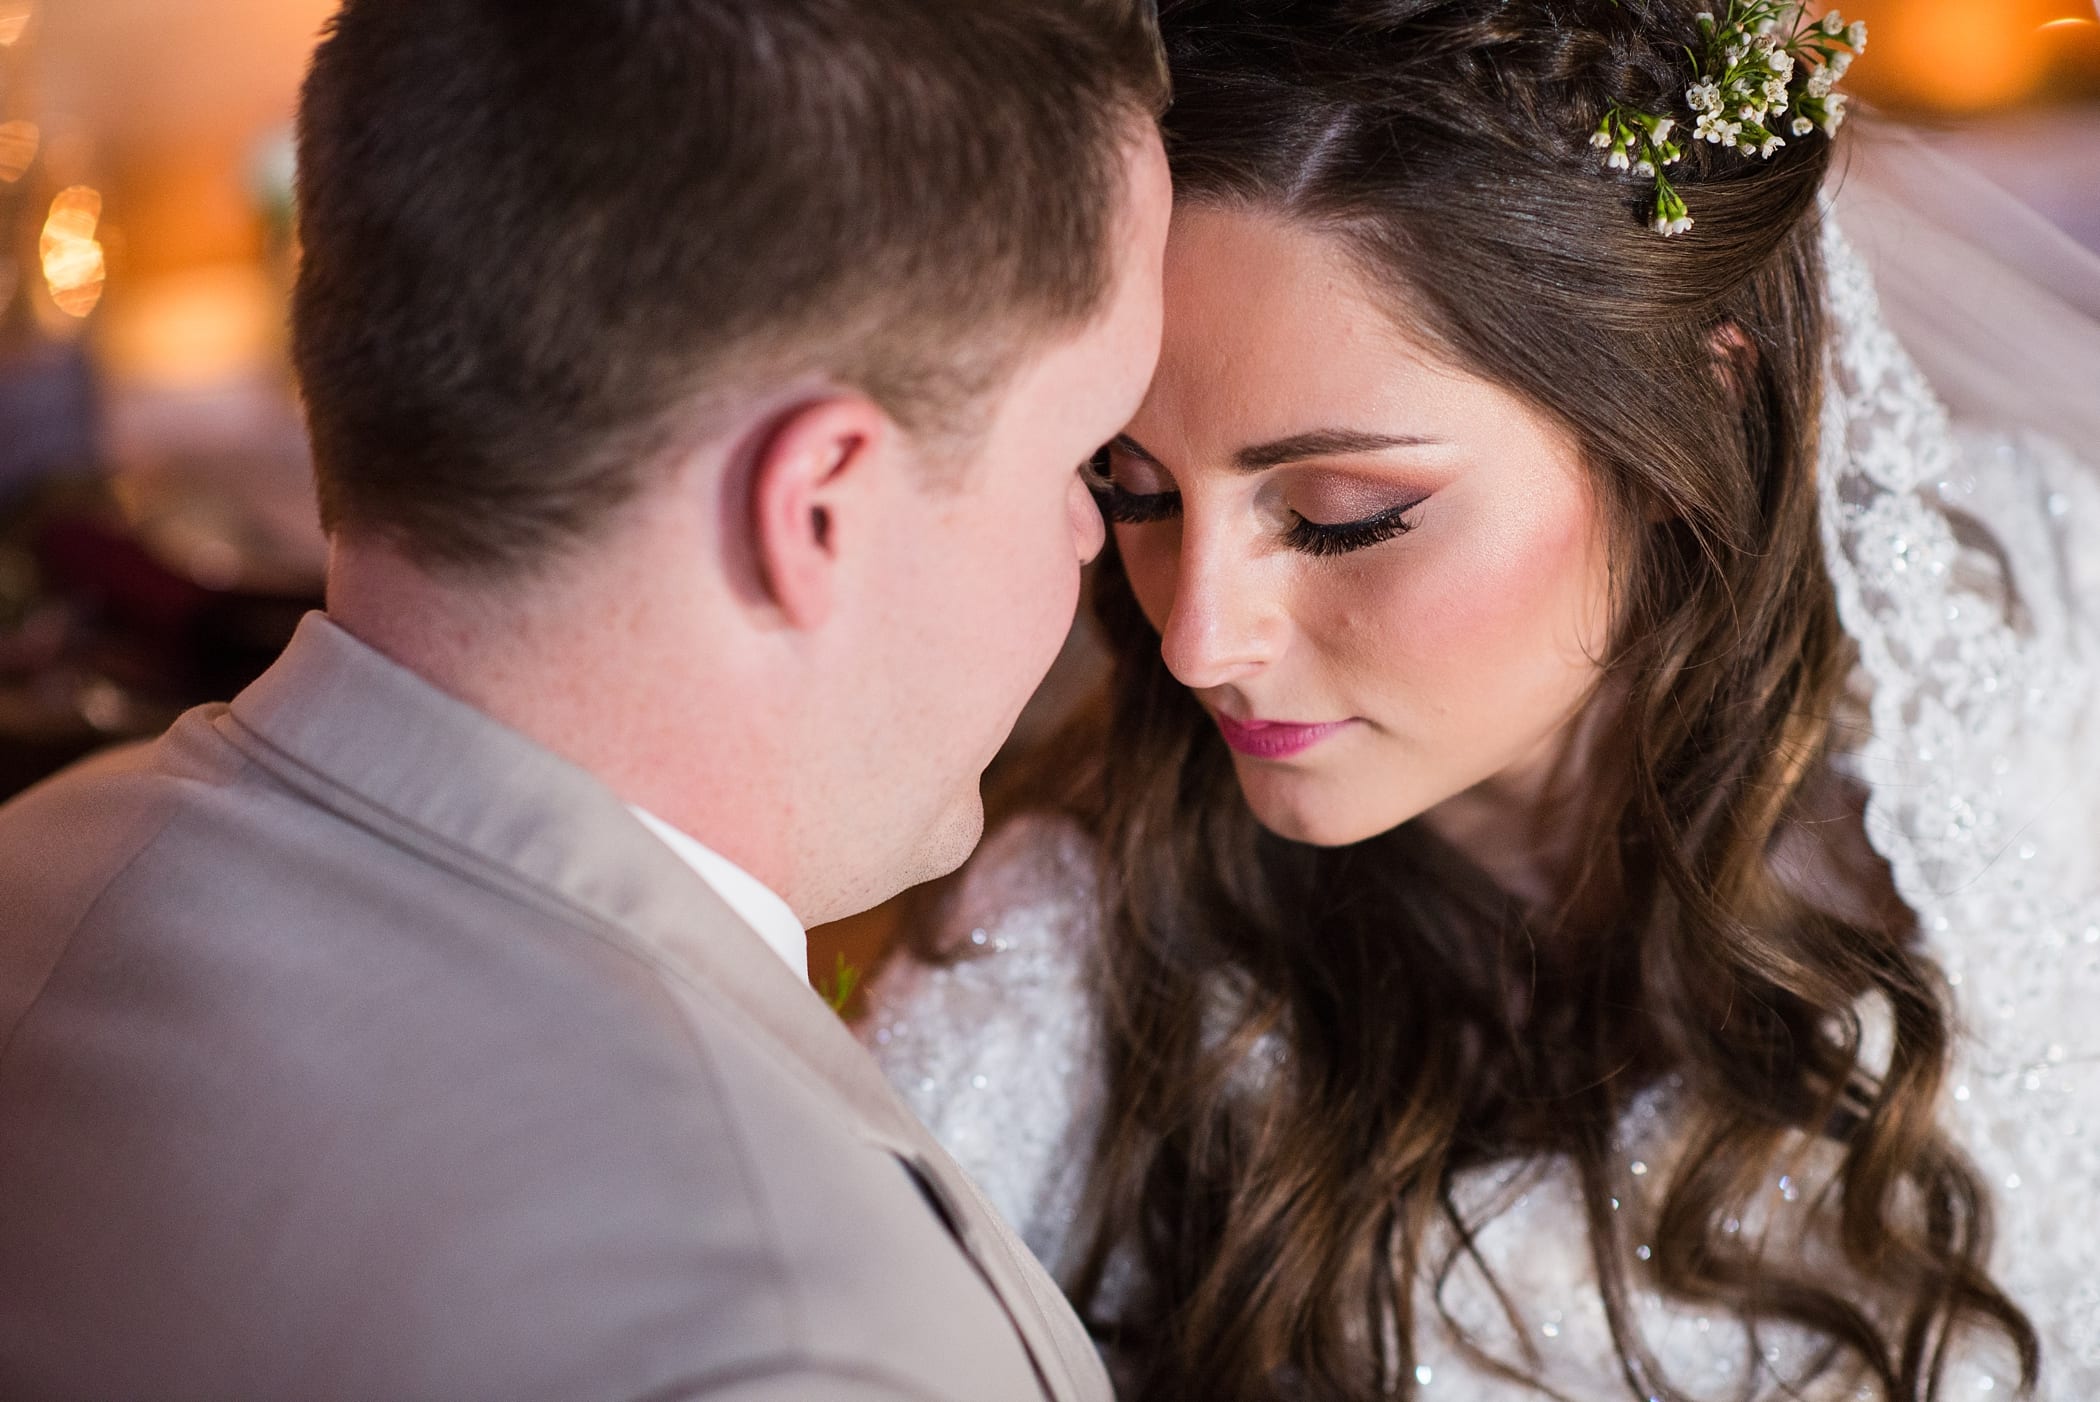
(1385,578)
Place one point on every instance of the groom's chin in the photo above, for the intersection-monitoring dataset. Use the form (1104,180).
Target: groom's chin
(950,841)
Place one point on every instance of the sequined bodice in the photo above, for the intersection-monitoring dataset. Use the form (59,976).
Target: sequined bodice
(1975,605)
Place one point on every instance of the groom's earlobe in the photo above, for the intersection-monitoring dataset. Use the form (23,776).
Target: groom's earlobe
(807,467)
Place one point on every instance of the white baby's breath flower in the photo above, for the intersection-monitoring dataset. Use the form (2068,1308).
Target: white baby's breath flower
(1741,97)
(1722,132)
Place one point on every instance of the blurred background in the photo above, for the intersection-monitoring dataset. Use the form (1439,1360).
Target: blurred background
(156,535)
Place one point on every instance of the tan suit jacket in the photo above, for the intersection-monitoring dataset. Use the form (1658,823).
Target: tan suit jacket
(354,1046)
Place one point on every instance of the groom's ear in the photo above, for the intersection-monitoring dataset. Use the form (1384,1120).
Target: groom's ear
(808,468)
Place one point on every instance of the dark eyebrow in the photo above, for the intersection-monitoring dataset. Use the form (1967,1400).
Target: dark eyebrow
(1324,443)
(1301,447)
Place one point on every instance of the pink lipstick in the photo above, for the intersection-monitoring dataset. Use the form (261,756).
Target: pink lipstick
(1273,739)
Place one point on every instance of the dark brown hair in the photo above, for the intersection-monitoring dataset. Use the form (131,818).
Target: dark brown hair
(1283,1214)
(537,235)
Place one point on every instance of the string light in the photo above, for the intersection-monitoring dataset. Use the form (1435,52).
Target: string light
(14,18)
(18,148)
(74,267)
(1966,55)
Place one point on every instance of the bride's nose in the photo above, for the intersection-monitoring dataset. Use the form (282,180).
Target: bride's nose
(1224,620)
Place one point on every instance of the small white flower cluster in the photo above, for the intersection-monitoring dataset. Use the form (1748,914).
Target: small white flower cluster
(1745,86)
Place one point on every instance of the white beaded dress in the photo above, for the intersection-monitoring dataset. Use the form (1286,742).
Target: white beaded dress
(1967,566)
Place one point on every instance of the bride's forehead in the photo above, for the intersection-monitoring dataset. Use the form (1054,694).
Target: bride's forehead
(1253,257)
(1273,328)
(1246,284)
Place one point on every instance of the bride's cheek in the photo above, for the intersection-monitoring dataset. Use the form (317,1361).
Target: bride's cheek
(1438,625)
(1402,620)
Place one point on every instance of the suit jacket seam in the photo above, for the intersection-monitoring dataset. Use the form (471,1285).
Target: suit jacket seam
(761,1204)
(790,1363)
(518,889)
(454,856)
(80,924)
(491,875)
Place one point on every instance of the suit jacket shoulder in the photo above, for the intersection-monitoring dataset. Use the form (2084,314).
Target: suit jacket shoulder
(380,1054)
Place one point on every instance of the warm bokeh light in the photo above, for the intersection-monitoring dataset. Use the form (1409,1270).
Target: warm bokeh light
(74,268)
(14,18)
(18,148)
(1966,54)
(193,329)
(173,98)
(1973,56)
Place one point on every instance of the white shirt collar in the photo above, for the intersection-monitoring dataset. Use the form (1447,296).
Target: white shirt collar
(744,893)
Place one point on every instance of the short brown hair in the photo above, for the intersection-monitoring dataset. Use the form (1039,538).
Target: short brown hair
(536,233)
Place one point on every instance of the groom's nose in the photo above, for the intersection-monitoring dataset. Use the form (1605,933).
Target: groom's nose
(1089,531)
(1224,620)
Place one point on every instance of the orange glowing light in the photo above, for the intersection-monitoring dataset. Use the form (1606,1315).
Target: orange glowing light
(14,18)
(74,268)
(18,148)
(193,329)
(1964,55)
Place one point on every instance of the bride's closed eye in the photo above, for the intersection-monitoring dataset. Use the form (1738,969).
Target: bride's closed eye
(1133,491)
(1130,495)
(1344,536)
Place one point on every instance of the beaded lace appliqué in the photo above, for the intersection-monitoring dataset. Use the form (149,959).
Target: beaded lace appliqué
(1961,575)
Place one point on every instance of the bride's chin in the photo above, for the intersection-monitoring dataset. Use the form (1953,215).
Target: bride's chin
(1297,810)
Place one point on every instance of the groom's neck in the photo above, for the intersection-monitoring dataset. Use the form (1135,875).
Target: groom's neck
(600,663)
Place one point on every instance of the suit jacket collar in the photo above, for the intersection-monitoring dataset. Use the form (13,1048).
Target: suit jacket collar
(373,741)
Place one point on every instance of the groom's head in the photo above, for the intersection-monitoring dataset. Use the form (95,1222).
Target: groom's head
(771,332)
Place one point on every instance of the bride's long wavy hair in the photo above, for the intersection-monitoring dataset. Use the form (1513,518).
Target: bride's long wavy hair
(1284,1210)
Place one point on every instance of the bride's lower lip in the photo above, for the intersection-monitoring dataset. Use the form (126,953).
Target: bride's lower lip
(1274,739)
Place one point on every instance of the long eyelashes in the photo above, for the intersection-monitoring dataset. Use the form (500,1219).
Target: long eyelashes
(1340,539)
(1137,509)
